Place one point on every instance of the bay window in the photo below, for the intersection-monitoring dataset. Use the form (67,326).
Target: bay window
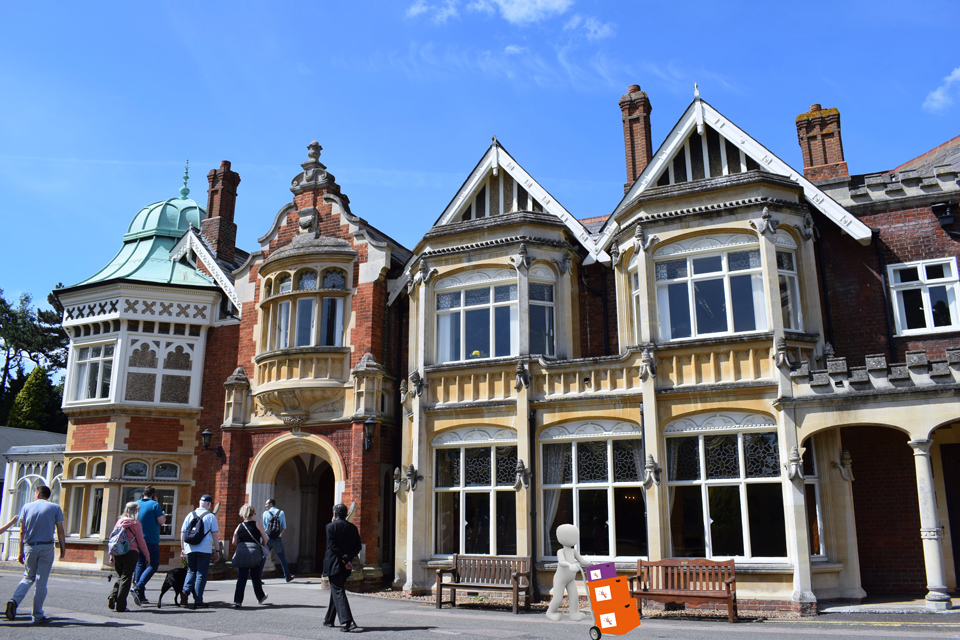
(293,319)
(706,289)
(475,504)
(596,484)
(93,371)
(725,495)
(477,321)
(925,296)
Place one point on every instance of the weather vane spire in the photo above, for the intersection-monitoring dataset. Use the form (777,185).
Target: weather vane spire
(184,191)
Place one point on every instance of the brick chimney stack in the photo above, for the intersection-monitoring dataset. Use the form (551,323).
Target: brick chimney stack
(637,141)
(218,227)
(818,132)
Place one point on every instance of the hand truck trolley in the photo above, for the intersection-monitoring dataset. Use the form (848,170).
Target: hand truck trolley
(614,611)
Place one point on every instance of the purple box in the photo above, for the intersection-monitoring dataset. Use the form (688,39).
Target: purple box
(601,571)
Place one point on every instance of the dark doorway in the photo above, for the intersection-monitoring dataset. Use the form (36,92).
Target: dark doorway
(950,461)
(324,513)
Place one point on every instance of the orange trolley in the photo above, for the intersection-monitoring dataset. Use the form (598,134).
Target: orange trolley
(614,611)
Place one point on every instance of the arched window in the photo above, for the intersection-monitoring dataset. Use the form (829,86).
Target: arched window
(307,280)
(135,469)
(100,469)
(541,313)
(334,279)
(587,468)
(166,471)
(80,470)
(478,316)
(285,285)
(710,286)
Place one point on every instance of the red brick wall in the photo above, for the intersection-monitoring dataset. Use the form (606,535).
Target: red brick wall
(887,510)
(80,553)
(853,276)
(89,434)
(818,132)
(592,309)
(153,434)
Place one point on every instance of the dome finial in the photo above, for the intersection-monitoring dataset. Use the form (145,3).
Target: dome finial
(184,191)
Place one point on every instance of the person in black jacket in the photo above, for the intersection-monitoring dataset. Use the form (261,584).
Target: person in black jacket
(343,543)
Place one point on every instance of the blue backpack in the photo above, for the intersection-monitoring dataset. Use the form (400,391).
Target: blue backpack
(119,543)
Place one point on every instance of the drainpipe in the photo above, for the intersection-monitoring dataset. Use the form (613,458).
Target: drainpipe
(886,297)
(532,425)
(823,285)
(602,292)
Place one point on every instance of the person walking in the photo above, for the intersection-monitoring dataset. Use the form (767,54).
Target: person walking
(248,539)
(151,518)
(274,524)
(38,520)
(199,545)
(343,543)
(125,548)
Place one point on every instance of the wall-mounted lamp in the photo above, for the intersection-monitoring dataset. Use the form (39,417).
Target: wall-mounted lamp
(205,437)
(369,427)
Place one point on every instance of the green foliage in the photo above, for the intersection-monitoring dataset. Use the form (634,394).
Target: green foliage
(31,408)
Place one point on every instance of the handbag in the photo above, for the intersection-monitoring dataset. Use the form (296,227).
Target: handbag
(248,554)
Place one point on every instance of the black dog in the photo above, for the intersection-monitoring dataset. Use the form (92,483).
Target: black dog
(174,580)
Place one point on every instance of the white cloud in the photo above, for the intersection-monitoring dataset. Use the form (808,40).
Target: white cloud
(522,12)
(514,49)
(940,98)
(595,30)
(440,12)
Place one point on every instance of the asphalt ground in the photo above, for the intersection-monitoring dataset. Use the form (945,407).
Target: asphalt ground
(78,606)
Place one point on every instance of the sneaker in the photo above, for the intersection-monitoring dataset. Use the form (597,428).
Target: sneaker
(111,602)
(203,605)
(136,598)
(42,620)
(11,611)
(290,578)
(262,600)
(143,599)
(237,605)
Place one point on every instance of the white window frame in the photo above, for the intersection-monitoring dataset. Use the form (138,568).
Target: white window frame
(741,482)
(174,464)
(552,316)
(136,493)
(924,285)
(93,513)
(813,480)
(471,281)
(716,250)
(792,279)
(75,522)
(79,370)
(126,476)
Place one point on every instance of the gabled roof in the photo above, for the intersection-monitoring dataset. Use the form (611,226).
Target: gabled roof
(946,153)
(194,241)
(497,159)
(699,114)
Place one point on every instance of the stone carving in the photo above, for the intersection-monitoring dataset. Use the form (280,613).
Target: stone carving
(807,227)
(308,219)
(767,223)
(651,473)
(294,419)
(640,240)
(237,380)
(403,390)
(648,364)
(844,466)
(781,358)
(423,276)
(794,465)
(590,430)
(523,378)
(563,264)
(521,261)
(615,254)
(398,480)
(418,383)
(523,476)
(318,402)
(931,534)
(314,174)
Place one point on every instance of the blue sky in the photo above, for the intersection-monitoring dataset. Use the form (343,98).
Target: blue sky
(101,103)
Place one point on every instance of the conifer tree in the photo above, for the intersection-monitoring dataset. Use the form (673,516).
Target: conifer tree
(31,407)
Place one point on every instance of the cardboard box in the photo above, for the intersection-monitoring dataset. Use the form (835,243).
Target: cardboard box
(604,593)
(618,618)
(601,571)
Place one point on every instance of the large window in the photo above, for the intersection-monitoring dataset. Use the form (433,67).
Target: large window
(706,289)
(475,503)
(293,321)
(477,321)
(542,341)
(595,483)
(925,296)
(167,499)
(789,291)
(726,495)
(159,371)
(93,371)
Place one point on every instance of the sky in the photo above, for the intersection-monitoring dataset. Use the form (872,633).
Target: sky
(102,103)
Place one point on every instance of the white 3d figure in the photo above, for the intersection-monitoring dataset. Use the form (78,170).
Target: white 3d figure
(569,563)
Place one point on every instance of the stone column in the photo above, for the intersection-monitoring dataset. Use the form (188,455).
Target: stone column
(937,597)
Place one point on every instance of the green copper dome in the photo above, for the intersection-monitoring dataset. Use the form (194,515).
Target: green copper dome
(170,218)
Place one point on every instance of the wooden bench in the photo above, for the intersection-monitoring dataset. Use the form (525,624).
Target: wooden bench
(486,573)
(693,580)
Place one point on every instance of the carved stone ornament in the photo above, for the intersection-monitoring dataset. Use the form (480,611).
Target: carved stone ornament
(648,364)
(403,390)
(368,365)
(651,473)
(412,477)
(294,419)
(521,261)
(523,476)
(418,383)
(423,275)
(794,465)
(844,466)
(767,223)
(523,378)
(314,172)
(615,254)
(237,380)
(781,356)
(640,240)
(398,480)
(828,350)
(308,220)
(807,226)
(317,401)
(563,264)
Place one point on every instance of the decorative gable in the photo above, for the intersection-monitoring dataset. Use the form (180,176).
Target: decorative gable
(705,144)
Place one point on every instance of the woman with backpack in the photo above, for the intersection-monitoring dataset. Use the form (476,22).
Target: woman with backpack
(125,545)
(248,539)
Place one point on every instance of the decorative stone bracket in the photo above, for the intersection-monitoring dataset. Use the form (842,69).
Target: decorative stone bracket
(651,473)
(640,240)
(844,466)
(648,365)
(419,384)
(794,466)
(521,261)
(408,483)
(423,275)
(766,224)
(523,378)
(523,476)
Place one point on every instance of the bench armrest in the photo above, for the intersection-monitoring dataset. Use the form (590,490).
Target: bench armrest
(731,583)
(442,570)
(516,575)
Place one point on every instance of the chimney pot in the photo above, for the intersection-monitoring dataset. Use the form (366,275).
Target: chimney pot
(815,107)
(818,132)
(218,227)
(634,88)
(637,140)
(225,165)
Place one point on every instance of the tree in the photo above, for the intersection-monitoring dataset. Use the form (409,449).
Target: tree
(31,408)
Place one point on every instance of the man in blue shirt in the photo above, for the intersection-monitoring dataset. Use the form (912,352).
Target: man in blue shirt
(199,554)
(38,520)
(274,534)
(151,518)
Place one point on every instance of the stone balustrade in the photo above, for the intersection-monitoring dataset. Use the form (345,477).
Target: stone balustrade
(876,375)
(304,363)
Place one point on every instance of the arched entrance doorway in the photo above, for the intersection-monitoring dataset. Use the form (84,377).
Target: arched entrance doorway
(305,475)
(887,510)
